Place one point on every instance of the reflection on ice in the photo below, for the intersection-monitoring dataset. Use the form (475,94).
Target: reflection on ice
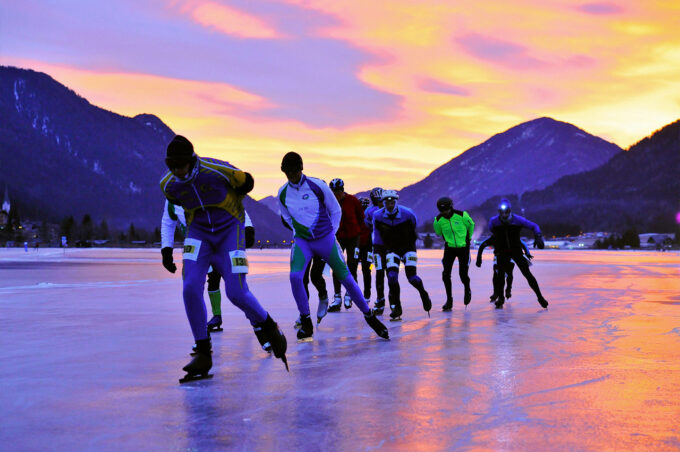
(94,341)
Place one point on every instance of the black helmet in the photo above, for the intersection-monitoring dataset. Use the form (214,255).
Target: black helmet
(180,152)
(337,184)
(504,209)
(291,162)
(376,195)
(364,202)
(444,203)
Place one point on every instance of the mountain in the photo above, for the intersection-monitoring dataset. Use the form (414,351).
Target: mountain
(529,156)
(272,202)
(638,189)
(61,156)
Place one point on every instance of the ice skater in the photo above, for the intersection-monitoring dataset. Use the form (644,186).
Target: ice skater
(396,229)
(348,236)
(508,270)
(173,217)
(312,211)
(378,249)
(314,272)
(456,227)
(211,192)
(505,228)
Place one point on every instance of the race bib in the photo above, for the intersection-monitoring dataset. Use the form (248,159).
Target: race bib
(378,262)
(356,253)
(392,260)
(239,261)
(369,257)
(191,249)
(410,259)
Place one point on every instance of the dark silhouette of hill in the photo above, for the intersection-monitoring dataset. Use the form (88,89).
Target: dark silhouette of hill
(529,156)
(62,156)
(639,188)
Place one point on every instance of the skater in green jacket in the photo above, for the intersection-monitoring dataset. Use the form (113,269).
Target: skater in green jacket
(456,227)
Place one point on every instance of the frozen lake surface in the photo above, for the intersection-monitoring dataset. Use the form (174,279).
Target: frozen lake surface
(93,342)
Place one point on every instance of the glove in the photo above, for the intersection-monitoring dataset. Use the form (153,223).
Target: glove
(250,236)
(167,259)
(530,256)
(479,262)
(538,240)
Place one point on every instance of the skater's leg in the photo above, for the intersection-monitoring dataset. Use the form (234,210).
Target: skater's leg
(366,271)
(317,276)
(328,249)
(336,280)
(305,280)
(214,292)
(299,261)
(197,253)
(509,277)
(227,262)
(447,263)
(524,268)
(379,260)
(463,268)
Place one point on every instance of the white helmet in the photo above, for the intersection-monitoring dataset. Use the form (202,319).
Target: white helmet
(390,194)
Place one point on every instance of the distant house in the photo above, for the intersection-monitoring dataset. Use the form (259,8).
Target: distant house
(655,239)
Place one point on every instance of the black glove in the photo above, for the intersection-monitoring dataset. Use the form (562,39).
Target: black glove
(167,259)
(538,241)
(530,256)
(479,262)
(250,236)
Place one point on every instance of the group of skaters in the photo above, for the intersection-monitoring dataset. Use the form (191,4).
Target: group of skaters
(204,197)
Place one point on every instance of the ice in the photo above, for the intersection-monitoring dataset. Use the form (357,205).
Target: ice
(93,342)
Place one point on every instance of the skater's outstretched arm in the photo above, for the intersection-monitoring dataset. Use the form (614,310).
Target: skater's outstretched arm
(483,245)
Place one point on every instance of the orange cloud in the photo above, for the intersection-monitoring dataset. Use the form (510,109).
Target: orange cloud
(229,20)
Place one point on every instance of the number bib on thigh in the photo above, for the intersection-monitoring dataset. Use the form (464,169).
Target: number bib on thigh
(411,259)
(369,257)
(239,261)
(191,249)
(378,262)
(392,260)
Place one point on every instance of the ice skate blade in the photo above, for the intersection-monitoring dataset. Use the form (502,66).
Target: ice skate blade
(305,339)
(334,308)
(187,378)
(395,319)
(447,309)
(499,306)
(215,329)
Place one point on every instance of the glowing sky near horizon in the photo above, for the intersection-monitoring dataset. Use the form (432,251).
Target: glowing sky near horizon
(377,93)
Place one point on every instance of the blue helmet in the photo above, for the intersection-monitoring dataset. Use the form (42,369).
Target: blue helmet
(504,209)
(376,195)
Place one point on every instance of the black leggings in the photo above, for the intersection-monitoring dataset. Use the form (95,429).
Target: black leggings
(450,255)
(315,270)
(503,262)
(352,264)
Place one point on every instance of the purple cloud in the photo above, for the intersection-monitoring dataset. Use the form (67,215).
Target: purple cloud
(497,51)
(600,8)
(435,86)
(305,78)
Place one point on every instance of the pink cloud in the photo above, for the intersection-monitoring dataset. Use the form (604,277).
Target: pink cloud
(435,86)
(600,8)
(499,51)
(231,21)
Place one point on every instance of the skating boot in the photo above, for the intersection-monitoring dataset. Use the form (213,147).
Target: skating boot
(348,301)
(306,331)
(468,296)
(337,303)
(193,350)
(508,292)
(500,302)
(427,303)
(377,325)
(275,337)
(543,302)
(448,306)
(262,339)
(379,306)
(395,315)
(493,297)
(215,324)
(200,364)
(322,309)
(297,324)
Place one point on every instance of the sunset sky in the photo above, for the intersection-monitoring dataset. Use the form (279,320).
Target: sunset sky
(376,93)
